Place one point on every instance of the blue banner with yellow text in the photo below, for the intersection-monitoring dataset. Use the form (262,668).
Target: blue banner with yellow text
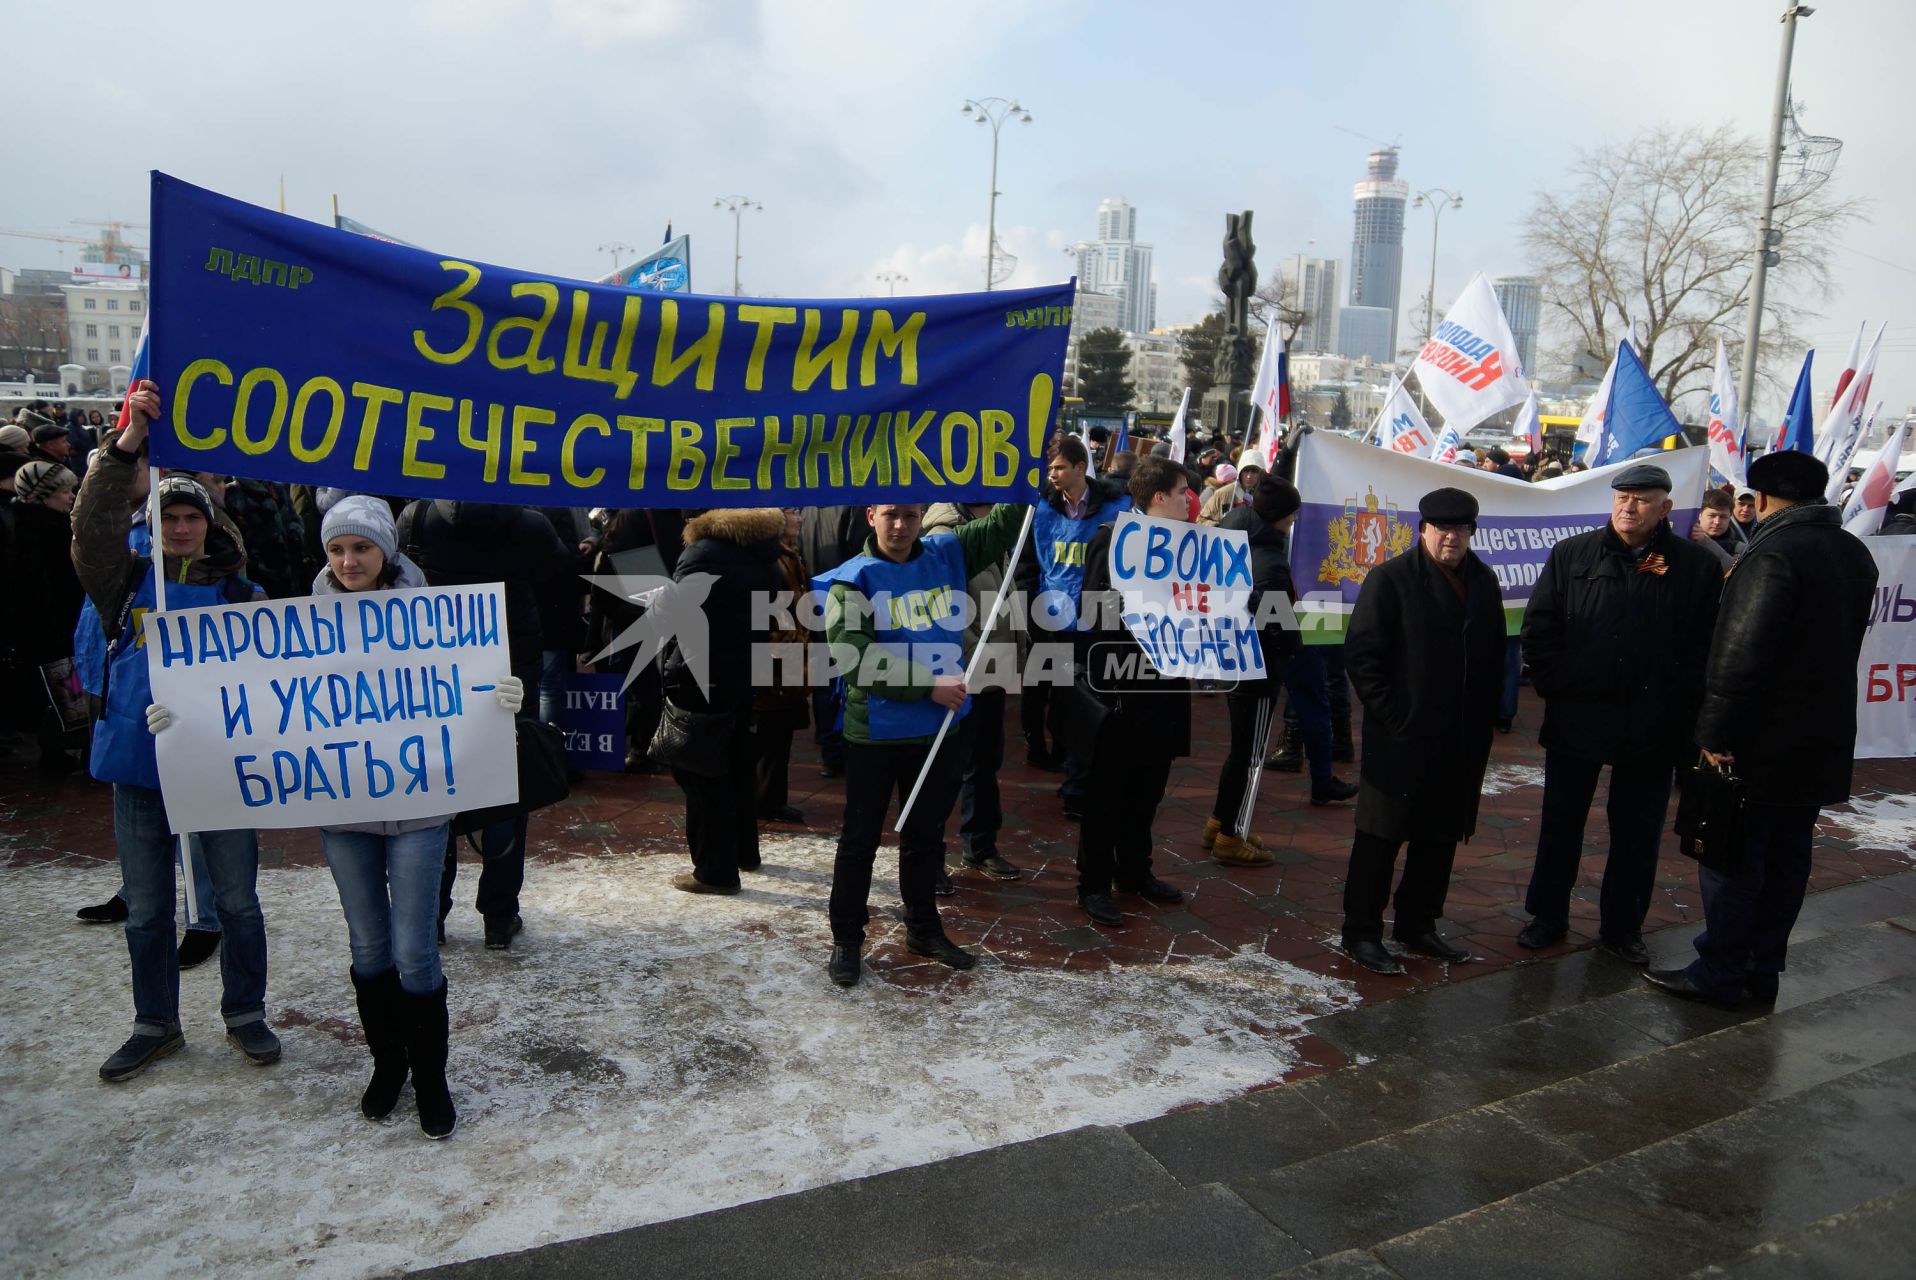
(291,351)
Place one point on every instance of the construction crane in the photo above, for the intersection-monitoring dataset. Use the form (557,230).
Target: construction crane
(108,243)
(1365,137)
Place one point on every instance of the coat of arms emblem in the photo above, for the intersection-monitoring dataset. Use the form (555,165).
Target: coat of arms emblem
(1367,534)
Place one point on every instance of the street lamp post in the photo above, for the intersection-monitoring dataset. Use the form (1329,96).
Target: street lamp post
(1767,236)
(736,206)
(615,249)
(894,279)
(994,112)
(1451,200)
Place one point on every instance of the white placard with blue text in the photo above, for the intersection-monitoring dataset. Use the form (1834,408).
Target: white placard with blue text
(1186,592)
(373,706)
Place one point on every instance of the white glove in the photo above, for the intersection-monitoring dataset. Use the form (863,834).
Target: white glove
(157,717)
(510,690)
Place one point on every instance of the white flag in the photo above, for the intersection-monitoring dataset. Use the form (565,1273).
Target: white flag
(1090,454)
(1469,368)
(1448,442)
(1264,389)
(1401,428)
(1725,434)
(1843,430)
(1177,428)
(1592,429)
(1874,492)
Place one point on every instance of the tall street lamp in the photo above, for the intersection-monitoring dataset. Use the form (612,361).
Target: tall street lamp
(894,279)
(615,249)
(994,112)
(736,206)
(1450,200)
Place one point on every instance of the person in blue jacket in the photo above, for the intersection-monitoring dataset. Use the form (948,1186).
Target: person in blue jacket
(895,623)
(205,564)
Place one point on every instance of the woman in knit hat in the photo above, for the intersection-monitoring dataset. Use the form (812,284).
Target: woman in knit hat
(388,872)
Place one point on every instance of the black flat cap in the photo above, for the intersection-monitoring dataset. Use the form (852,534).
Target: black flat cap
(1791,475)
(1448,506)
(1644,475)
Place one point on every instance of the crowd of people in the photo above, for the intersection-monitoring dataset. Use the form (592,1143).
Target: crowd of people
(1649,651)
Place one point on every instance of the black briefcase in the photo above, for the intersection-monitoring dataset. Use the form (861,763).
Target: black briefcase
(1710,816)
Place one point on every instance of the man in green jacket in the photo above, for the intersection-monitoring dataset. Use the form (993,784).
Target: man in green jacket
(894,618)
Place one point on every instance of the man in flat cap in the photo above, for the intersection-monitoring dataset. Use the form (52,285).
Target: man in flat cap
(1616,636)
(1779,705)
(1425,653)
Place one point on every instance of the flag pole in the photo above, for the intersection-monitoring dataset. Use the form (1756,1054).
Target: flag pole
(971,671)
(1395,387)
(159,607)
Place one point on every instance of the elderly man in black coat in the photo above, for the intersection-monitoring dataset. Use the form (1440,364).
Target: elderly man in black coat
(1616,636)
(1425,652)
(1779,704)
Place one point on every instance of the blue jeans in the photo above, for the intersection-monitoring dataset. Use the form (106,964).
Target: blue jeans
(146,861)
(389,888)
(1310,697)
(207,921)
(554,664)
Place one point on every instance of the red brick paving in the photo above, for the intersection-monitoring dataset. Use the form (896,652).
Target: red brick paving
(1289,911)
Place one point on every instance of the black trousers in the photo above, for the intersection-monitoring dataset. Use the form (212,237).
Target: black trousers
(721,829)
(772,754)
(874,772)
(1639,801)
(1033,701)
(1420,894)
(1748,914)
(982,738)
(1234,776)
(1126,787)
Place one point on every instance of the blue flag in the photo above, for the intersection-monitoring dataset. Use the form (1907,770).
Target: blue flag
(1637,417)
(1799,424)
(295,352)
(1123,441)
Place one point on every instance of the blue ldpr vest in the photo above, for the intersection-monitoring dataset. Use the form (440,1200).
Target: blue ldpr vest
(122,747)
(1060,543)
(905,600)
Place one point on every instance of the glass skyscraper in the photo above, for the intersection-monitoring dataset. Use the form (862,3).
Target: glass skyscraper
(1377,241)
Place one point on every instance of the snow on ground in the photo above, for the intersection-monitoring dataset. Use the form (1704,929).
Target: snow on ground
(1501,779)
(639,1055)
(1876,822)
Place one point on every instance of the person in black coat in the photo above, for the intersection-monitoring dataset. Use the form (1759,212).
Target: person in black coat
(1616,635)
(1779,704)
(740,548)
(1425,651)
(460,544)
(1150,725)
(1267,519)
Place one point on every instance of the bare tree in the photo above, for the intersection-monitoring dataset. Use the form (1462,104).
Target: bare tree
(1659,232)
(1280,296)
(33,337)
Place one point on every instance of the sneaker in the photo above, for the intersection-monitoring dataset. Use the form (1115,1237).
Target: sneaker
(1101,909)
(844,966)
(112,911)
(1239,851)
(942,886)
(197,946)
(141,1051)
(256,1040)
(501,932)
(1333,791)
(992,865)
(1155,890)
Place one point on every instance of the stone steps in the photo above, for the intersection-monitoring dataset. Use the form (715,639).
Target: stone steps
(1556,1118)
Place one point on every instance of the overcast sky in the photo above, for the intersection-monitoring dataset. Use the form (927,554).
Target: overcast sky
(530,132)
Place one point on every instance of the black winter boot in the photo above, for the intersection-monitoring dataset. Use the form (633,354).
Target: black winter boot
(426,1033)
(1289,756)
(382,1018)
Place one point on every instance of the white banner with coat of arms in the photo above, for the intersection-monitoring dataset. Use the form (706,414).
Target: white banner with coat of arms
(1360,509)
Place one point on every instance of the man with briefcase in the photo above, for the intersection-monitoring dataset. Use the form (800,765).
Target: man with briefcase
(1779,706)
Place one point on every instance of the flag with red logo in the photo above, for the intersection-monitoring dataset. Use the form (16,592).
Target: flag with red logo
(1469,367)
(1400,428)
(1843,429)
(1726,437)
(1878,488)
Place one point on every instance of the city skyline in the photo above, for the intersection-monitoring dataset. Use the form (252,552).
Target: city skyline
(845,125)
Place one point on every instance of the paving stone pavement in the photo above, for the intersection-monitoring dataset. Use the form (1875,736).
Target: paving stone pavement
(1290,910)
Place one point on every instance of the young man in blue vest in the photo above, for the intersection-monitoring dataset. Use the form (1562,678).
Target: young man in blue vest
(205,564)
(1074,508)
(894,619)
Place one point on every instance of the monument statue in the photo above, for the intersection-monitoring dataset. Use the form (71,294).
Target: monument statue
(1227,406)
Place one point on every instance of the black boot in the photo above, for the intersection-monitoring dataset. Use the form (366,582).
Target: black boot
(382,1018)
(1343,750)
(1289,756)
(426,1033)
